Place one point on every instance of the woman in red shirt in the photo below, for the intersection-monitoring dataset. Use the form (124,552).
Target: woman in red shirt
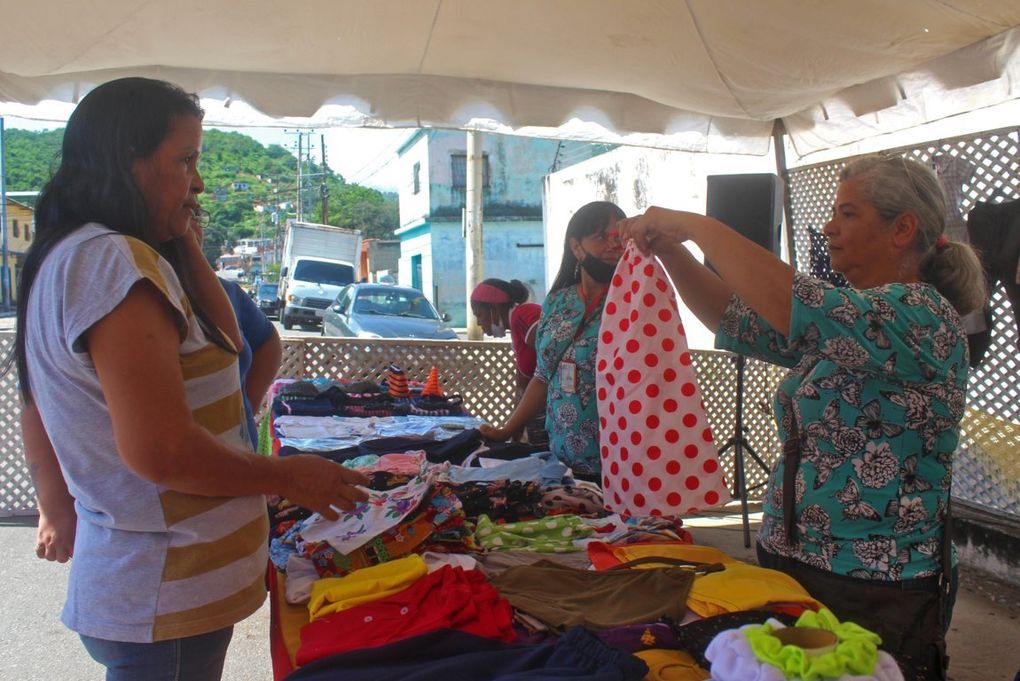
(499,305)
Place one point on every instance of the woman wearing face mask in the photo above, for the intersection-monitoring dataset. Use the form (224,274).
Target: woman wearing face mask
(567,340)
(499,305)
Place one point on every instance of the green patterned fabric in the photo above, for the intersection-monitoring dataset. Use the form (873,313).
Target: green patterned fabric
(554,534)
(571,417)
(265,443)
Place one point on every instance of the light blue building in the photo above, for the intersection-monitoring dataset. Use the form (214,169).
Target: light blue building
(432,199)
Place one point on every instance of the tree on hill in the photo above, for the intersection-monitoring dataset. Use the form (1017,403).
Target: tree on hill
(30,157)
(239,174)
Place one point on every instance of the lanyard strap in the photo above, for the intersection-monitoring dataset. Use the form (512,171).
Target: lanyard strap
(589,308)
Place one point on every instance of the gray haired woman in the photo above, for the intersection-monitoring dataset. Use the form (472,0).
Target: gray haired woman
(870,410)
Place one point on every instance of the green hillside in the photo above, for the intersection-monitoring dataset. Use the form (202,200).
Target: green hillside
(239,175)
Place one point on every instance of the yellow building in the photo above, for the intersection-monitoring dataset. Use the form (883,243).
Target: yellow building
(20,232)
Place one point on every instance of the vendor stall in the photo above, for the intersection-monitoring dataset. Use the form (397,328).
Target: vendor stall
(471,559)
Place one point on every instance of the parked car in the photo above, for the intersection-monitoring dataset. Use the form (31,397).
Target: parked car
(384,311)
(267,297)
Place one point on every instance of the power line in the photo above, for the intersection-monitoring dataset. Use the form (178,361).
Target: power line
(358,178)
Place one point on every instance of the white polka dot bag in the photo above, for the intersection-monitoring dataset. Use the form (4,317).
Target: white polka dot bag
(658,455)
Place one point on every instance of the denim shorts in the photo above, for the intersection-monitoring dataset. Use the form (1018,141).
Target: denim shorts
(195,658)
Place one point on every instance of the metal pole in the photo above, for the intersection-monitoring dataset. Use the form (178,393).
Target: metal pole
(474,267)
(300,151)
(323,187)
(5,270)
(778,141)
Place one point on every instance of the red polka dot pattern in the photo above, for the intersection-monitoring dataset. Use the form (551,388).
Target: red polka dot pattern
(658,456)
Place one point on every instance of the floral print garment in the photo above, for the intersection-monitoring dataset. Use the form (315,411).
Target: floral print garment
(877,383)
(571,419)
(354,528)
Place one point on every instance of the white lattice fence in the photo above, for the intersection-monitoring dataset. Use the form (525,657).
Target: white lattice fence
(483,373)
(717,378)
(17,495)
(973,169)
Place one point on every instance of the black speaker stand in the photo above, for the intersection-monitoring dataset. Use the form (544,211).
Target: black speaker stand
(739,444)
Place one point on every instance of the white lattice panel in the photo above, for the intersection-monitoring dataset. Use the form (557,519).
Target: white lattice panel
(987,465)
(482,372)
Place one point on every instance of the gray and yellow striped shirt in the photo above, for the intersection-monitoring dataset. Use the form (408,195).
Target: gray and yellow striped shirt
(149,563)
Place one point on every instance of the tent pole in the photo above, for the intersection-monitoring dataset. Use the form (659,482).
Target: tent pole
(779,146)
(5,272)
(474,268)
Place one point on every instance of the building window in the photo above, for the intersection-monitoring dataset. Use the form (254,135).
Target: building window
(416,180)
(458,170)
(15,231)
(28,232)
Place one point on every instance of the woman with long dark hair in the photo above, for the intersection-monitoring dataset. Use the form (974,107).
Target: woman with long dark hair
(127,360)
(567,340)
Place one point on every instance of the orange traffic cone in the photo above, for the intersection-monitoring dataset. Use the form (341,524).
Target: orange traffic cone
(432,385)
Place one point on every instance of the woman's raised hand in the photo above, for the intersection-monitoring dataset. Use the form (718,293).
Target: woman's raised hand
(659,229)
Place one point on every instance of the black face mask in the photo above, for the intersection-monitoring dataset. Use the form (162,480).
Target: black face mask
(599,270)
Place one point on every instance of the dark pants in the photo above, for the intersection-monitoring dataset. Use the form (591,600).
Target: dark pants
(906,614)
(195,658)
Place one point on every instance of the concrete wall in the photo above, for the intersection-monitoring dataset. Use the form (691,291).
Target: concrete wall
(504,258)
(414,207)
(431,225)
(417,242)
(634,179)
(17,244)
(383,256)
(516,168)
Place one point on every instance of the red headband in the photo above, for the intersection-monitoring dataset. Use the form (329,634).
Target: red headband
(487,293)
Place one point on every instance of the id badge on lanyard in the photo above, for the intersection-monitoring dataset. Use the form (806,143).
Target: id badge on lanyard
(568,376)
(568,367)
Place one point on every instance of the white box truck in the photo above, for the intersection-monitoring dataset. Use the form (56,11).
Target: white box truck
(318,260)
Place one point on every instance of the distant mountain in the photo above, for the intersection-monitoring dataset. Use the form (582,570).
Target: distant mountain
(240,174)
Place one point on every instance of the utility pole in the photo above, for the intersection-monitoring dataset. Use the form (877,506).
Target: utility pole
(474,267)
(300,168)
(323,188)
(5,270)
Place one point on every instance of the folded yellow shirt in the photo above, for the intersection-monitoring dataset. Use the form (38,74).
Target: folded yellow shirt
(334,594)
(741,586)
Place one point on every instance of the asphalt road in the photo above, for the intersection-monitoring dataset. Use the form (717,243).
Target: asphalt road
(297,331)
(38,647)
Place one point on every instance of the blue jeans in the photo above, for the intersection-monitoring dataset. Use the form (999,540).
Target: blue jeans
(195,658)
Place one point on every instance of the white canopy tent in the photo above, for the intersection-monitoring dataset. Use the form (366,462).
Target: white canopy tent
(698,75)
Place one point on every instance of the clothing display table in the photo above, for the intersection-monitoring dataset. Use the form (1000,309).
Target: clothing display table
(472,560)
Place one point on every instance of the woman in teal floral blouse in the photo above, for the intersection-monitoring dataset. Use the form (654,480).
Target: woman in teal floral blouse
(871,406)
(566,341)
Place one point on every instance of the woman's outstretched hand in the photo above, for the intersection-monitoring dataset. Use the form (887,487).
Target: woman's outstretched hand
(493,434)
(658,230)
(321,485)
